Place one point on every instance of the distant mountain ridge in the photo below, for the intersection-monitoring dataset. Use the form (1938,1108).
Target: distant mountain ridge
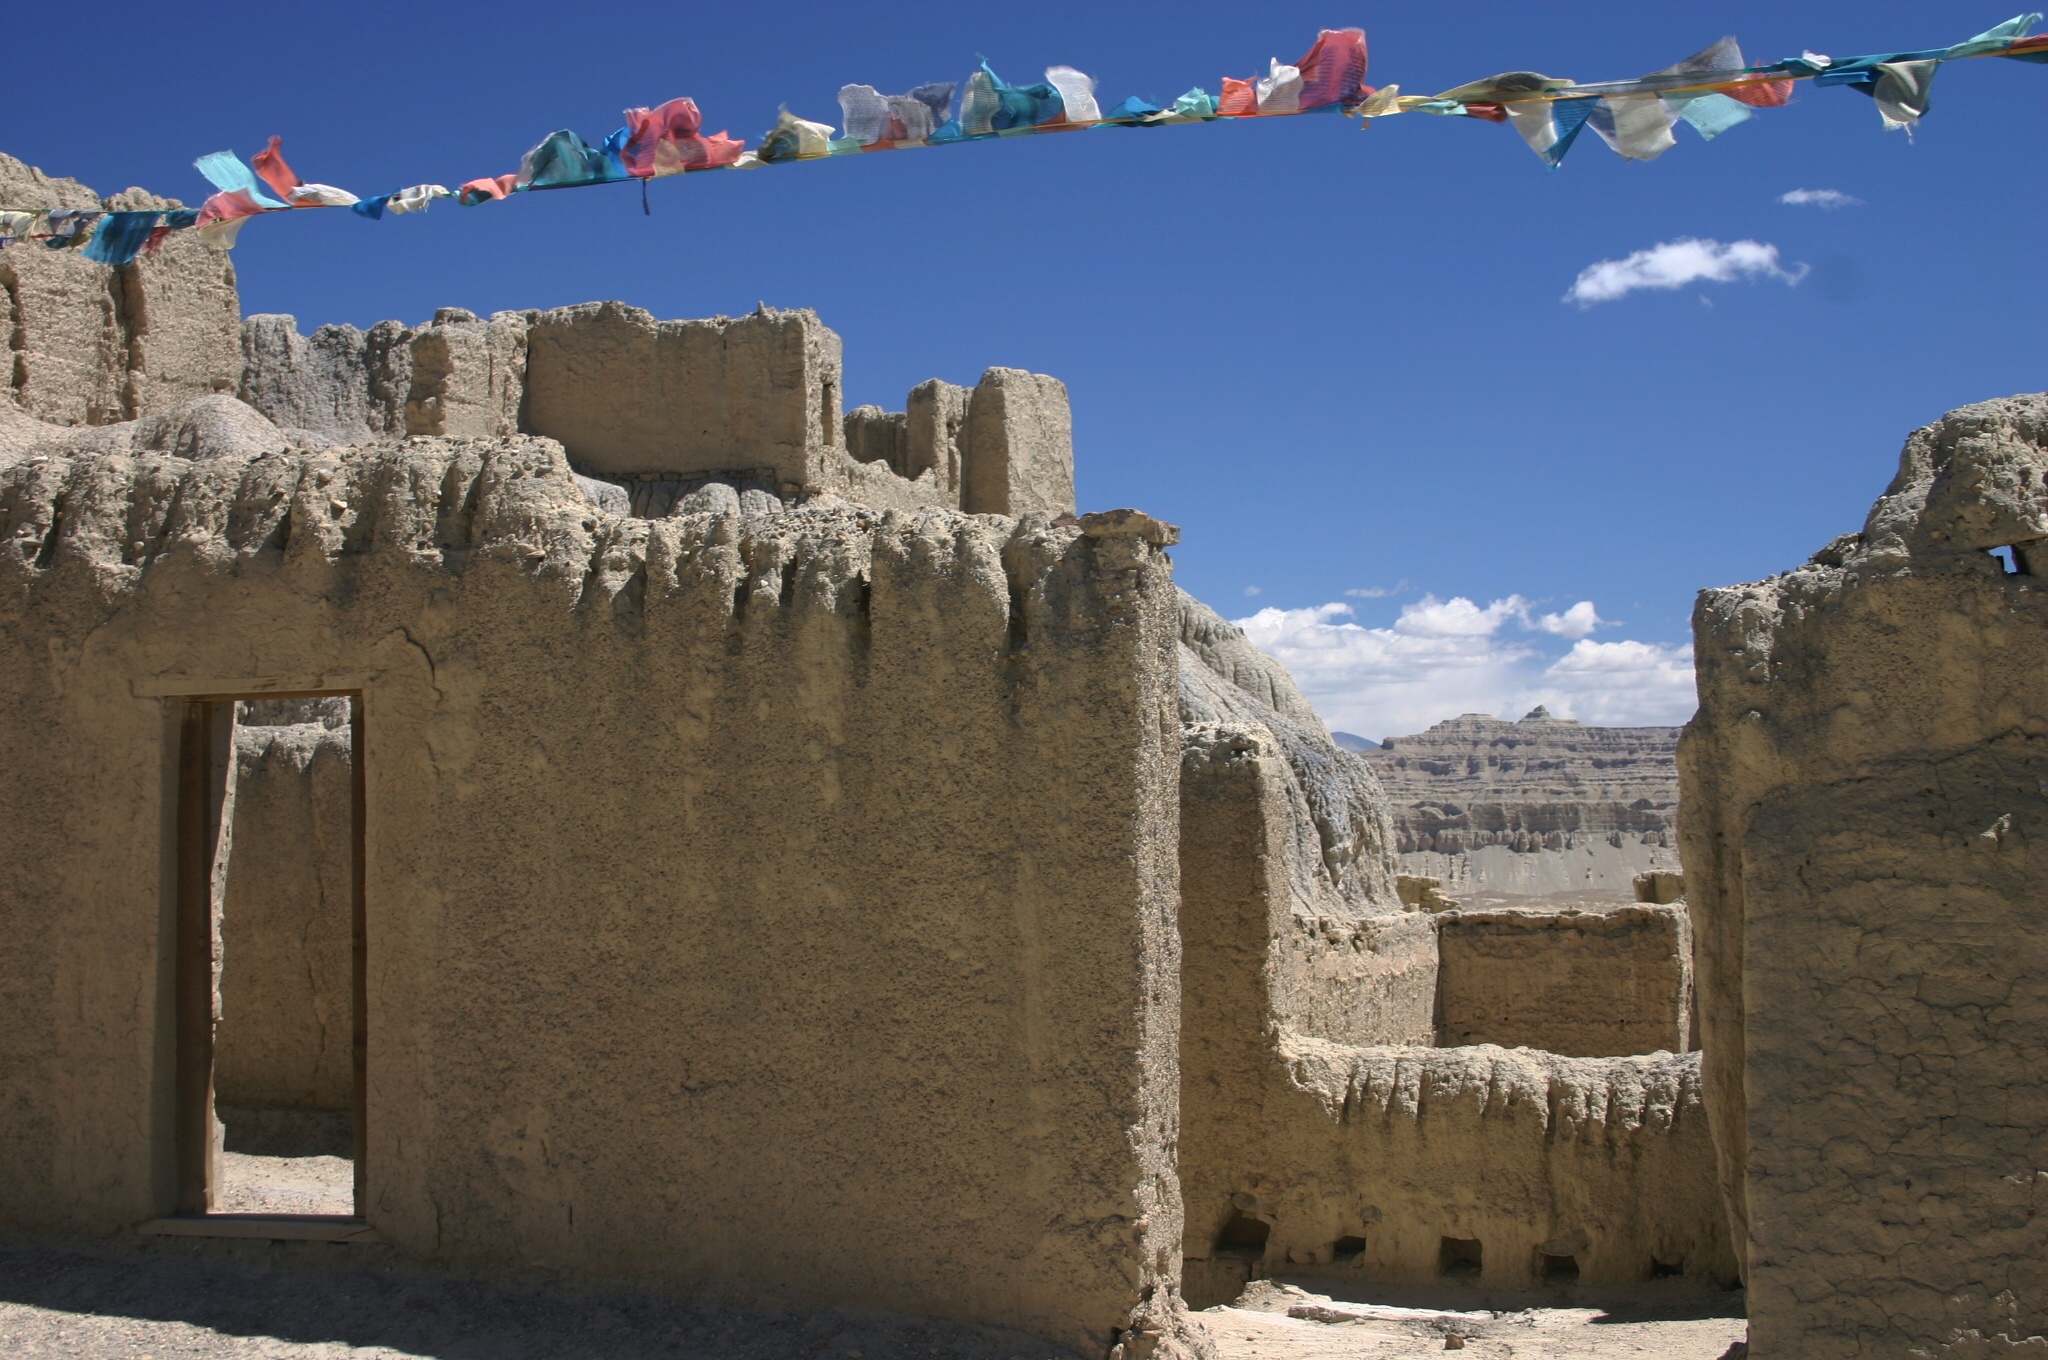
(1543,806)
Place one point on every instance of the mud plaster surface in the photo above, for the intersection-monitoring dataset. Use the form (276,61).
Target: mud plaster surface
(170,1305)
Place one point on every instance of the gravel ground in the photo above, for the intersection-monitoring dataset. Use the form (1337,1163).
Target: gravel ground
(182,1299)
(286,1185)
(186,1299)
(1279,1321)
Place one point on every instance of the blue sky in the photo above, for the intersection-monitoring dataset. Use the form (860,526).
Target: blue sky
(1341,359)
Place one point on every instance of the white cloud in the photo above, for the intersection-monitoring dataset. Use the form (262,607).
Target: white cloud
(1674,264)
(1253,590)
(1577,622)
(1446,657)
(1458,617)
(1820,198)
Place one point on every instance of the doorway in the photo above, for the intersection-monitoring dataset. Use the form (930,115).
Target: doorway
(269,1003)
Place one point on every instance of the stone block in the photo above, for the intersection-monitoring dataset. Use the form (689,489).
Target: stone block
(1020,446)
(1861,818)
(468,375)
(183,316)
(1660,886)
(284,1035)
(937,418)
(1589,984)
(627,394)
(345,384)
(874,435)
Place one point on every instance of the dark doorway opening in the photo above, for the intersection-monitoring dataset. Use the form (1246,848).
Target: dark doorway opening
(269,974)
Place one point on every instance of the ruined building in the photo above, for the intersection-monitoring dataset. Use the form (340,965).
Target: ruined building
(1865,820)
(1541,807)
(721,839)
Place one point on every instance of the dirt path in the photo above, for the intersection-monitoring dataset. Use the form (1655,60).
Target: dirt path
(1283,1322)
(175,1300)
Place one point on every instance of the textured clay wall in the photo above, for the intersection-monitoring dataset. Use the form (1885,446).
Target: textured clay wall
(1583,983)
(89,345)
(1302,1155)
(1865,836)
(889,1018)
(285,949)
(659,406)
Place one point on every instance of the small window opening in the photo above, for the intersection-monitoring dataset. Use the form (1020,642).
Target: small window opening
(1243,1235)
(1347,1249)
(1664,1270)
(1459,1258)
(1557,1269)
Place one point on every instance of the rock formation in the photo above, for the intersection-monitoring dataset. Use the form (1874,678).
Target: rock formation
(1543,807)
(1865,823)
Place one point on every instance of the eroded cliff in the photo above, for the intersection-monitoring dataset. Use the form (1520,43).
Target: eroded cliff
(1541,807)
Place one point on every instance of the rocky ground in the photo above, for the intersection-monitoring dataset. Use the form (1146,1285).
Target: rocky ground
(174,1299)
(286,1185)
(1277,1321)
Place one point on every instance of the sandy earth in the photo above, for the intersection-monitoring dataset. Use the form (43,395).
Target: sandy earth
(1276,1321)
(286,1185)
(175,1299)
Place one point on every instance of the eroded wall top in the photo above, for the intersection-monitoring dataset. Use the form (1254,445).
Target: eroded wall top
(92,345)
(1864,818)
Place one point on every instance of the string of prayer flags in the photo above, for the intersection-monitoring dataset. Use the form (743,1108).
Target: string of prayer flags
(872,118)
(668,141)
(1711,91)
(285,183)
(415,199)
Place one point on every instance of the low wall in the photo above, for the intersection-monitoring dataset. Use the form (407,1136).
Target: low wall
(691,953)
(1301,1153)
(1583,983)
(1596,1170)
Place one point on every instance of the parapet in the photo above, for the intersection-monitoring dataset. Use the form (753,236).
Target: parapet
(662,407)
(1581,983)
